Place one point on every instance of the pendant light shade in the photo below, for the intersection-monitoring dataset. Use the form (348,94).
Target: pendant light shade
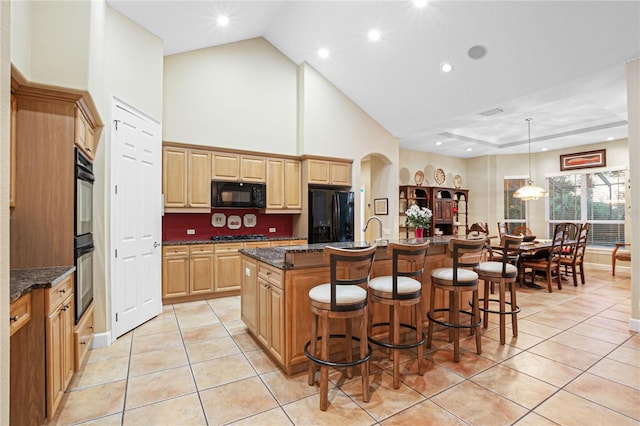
(530,191)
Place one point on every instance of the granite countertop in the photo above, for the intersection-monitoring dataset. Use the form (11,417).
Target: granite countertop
(209,241)
(22,281)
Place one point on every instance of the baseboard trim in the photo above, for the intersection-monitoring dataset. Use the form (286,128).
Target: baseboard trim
(634,325)
(101,340)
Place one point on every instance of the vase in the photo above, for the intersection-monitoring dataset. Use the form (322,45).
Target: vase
(419,232)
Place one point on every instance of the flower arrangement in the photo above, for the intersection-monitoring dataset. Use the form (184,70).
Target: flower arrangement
(418,217)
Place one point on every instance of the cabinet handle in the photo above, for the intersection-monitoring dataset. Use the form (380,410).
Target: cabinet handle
(15,318)
(63,291)
(83,343)
(89,149)
(64,308)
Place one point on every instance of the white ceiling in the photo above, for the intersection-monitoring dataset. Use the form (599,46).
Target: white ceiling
(560,63)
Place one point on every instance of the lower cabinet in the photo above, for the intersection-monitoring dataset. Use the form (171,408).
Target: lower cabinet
(249,294)
(228,277)
(83,337)
(270,330)
(59,342)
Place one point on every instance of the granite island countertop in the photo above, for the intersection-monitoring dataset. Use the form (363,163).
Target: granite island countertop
(22,281)
(276,256)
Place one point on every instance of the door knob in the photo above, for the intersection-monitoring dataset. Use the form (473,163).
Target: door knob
(156,244)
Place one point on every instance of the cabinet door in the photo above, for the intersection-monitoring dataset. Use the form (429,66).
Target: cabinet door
(59,353)
(292,185)
(318,171)
(275,183)
(340,174)
(84,135)
(175,272)
(225,166)
(276,319)
(199,179)
(12,184)
(263,312)
(249,294)
(67,318)
(201,273)
(227,271)
(174,176)
(252,169)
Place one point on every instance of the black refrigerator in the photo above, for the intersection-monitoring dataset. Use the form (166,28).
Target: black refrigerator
(330,216)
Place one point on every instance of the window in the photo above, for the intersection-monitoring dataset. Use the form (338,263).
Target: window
(514,208)
(596,197)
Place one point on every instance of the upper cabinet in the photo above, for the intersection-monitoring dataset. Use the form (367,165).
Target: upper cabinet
(238,167)
(84,138)
(186,182)
(283,186)
(328,172)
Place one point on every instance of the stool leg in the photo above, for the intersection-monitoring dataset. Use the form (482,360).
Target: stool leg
(396,341)
(364,367)
(432,299)
(486,303)
(454,318)
(392,318)
(313,349)
(419,333)
(348,341)
(514,306)
(476,316)
(324,372)
(502,309)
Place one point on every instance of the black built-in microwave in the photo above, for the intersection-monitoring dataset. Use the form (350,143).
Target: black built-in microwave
(238,194)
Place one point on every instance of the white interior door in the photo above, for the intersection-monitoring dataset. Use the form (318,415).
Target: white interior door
(136,227)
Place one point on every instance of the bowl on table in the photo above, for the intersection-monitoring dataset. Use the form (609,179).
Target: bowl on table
(528,238)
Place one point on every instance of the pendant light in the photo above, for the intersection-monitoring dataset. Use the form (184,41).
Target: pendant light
(530,191)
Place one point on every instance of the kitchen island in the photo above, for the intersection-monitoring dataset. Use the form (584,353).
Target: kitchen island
(275,286)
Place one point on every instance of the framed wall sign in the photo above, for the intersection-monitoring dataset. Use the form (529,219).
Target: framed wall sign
(583,160)
(381,206)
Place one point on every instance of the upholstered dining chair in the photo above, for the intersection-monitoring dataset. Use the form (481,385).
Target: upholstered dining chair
(617,254)
(548,264)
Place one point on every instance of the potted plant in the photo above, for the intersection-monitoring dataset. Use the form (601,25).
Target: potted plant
(419,218)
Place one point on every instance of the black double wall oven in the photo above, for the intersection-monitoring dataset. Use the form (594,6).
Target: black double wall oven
(84,246)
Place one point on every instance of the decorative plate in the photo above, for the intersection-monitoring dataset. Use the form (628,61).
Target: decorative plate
(218,220)
(249,220)
(418,177)
(439,176)
(457,181)
(234,222)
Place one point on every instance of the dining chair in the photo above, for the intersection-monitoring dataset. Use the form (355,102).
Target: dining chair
(401,289)
(574,261)
(455,280)
(502,229)
(522,230)
(617,254)
(342,298)
(548,264)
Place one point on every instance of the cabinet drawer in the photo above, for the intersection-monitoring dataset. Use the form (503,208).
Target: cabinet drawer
(256,244)
(272,275)
(201,249)
(20,313)
(56,294)
(83,337)
(228,247)
(175,251)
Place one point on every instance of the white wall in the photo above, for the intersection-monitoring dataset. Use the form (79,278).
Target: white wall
(240,95)
(21,36)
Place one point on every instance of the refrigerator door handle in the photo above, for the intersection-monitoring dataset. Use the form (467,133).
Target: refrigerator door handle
(335,222)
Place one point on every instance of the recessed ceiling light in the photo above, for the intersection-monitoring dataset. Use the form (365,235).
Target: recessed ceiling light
(446,67)
(545,149)
(469,149)
(610,138)
(419,3)
(374,35)
(323,53)
(439,143)
(222,20)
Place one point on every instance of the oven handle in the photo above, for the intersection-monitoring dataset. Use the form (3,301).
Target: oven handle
(85,175)
(81,251)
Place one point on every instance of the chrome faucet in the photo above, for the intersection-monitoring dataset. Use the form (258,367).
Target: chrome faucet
(366,225)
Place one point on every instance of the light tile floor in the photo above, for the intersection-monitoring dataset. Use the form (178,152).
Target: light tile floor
(574,362)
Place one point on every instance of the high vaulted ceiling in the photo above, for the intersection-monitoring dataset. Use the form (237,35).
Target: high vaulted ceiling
(560,63)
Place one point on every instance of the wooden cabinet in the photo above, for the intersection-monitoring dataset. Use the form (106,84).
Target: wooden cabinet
(83,337)
(279,243)
(238,167)
(84,135)
(270,310)
(12,171)
(284,185)
(19,313)
(326,172)
(249,294)
(175,272)
(59,342)
(448,205)
(228,264)
(186,181)
(201,267)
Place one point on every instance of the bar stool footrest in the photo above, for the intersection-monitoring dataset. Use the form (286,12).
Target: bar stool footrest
(399,346)
(515,311)
(337,364)
(448,324)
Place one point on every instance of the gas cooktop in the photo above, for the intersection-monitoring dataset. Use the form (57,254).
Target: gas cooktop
(238,237)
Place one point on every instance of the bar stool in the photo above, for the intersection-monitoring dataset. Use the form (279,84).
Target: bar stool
(504,273)
(342,298)
(456,280)
(398,290)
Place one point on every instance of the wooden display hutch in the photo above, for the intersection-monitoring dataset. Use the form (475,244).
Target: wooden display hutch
(449,206)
